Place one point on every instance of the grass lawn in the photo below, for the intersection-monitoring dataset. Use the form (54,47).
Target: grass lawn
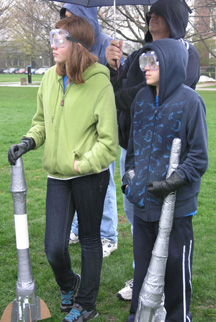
(18,105)
(16,77)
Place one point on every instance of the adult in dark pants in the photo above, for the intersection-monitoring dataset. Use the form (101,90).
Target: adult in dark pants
(166,19)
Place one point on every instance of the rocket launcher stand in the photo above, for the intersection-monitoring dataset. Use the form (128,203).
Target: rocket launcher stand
(27,307)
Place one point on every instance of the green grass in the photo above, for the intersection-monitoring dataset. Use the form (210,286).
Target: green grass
(16,77)
(17,107)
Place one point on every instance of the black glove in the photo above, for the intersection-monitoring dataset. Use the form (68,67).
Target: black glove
(163,188)
(17,150)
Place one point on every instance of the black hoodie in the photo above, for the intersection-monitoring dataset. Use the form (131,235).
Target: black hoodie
(175,13)
(131,78)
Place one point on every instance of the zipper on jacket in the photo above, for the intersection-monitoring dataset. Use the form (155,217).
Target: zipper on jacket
(58,121)
(62,101)
(57,98)
(64,93)
(146,192)
(63,97)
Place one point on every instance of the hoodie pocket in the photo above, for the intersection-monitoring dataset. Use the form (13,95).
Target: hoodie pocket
(135,192)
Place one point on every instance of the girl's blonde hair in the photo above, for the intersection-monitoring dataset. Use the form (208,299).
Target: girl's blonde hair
(79,57)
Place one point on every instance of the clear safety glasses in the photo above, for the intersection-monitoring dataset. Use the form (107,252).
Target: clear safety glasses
(59,38)
(148,59)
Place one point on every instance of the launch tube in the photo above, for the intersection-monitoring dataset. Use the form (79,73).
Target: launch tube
(26,298)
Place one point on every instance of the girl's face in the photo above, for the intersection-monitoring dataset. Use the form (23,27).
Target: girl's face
(60,54)
(59,45)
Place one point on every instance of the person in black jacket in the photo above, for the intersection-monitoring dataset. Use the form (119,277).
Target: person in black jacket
(166,19)
(161,111)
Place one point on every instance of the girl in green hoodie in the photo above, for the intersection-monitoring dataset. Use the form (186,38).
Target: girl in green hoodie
(76,119)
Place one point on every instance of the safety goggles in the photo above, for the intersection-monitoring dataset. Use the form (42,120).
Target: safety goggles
(148,59)
(60,38)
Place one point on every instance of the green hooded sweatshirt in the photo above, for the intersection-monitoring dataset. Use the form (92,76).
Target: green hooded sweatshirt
(78,124)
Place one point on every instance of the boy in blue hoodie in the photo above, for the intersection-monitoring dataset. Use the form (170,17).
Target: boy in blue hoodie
(163,110)
(166,19)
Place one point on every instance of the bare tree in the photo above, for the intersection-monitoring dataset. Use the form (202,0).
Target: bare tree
(33,19)
(30,26)
(130,24)
(5,7)
(204,28)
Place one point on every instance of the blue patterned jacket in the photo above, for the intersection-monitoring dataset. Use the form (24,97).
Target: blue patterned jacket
(181,113)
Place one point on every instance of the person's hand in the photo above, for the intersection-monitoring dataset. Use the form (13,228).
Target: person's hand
(75,167)
(17,150)
(114,53)
(163,188)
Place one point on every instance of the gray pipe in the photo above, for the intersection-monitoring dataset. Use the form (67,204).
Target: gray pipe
(150,305)
(25,306)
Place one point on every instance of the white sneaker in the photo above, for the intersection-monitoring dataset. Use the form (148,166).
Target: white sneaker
(108,247)
(73,238)
(126,293)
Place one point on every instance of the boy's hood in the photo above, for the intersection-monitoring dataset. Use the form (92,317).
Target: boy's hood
(173,58)
(90,14)
(176,14)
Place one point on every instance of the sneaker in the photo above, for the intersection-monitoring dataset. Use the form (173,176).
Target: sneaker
(67,298)
(126,293)
(79,314)
(74,239)
(108,247)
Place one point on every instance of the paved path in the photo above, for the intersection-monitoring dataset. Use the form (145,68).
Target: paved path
(205,86)
(17,84)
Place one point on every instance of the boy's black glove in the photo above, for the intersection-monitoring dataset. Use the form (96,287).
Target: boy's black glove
(17,150)
(163,188)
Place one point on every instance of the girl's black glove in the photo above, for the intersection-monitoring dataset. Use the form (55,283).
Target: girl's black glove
(17,150)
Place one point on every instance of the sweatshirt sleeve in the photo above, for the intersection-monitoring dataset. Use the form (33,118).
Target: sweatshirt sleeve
(37,130)
(193,68)
(124,95)
(196,161)
(105,150)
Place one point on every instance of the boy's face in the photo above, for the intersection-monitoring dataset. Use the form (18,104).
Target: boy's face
(152,76)
(149,63)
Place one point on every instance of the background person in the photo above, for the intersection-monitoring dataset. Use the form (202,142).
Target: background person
(76,119)
(166,19)
(163,110)
(109,221)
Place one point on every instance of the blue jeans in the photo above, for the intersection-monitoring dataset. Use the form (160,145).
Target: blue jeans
(109,221)
(85,195)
